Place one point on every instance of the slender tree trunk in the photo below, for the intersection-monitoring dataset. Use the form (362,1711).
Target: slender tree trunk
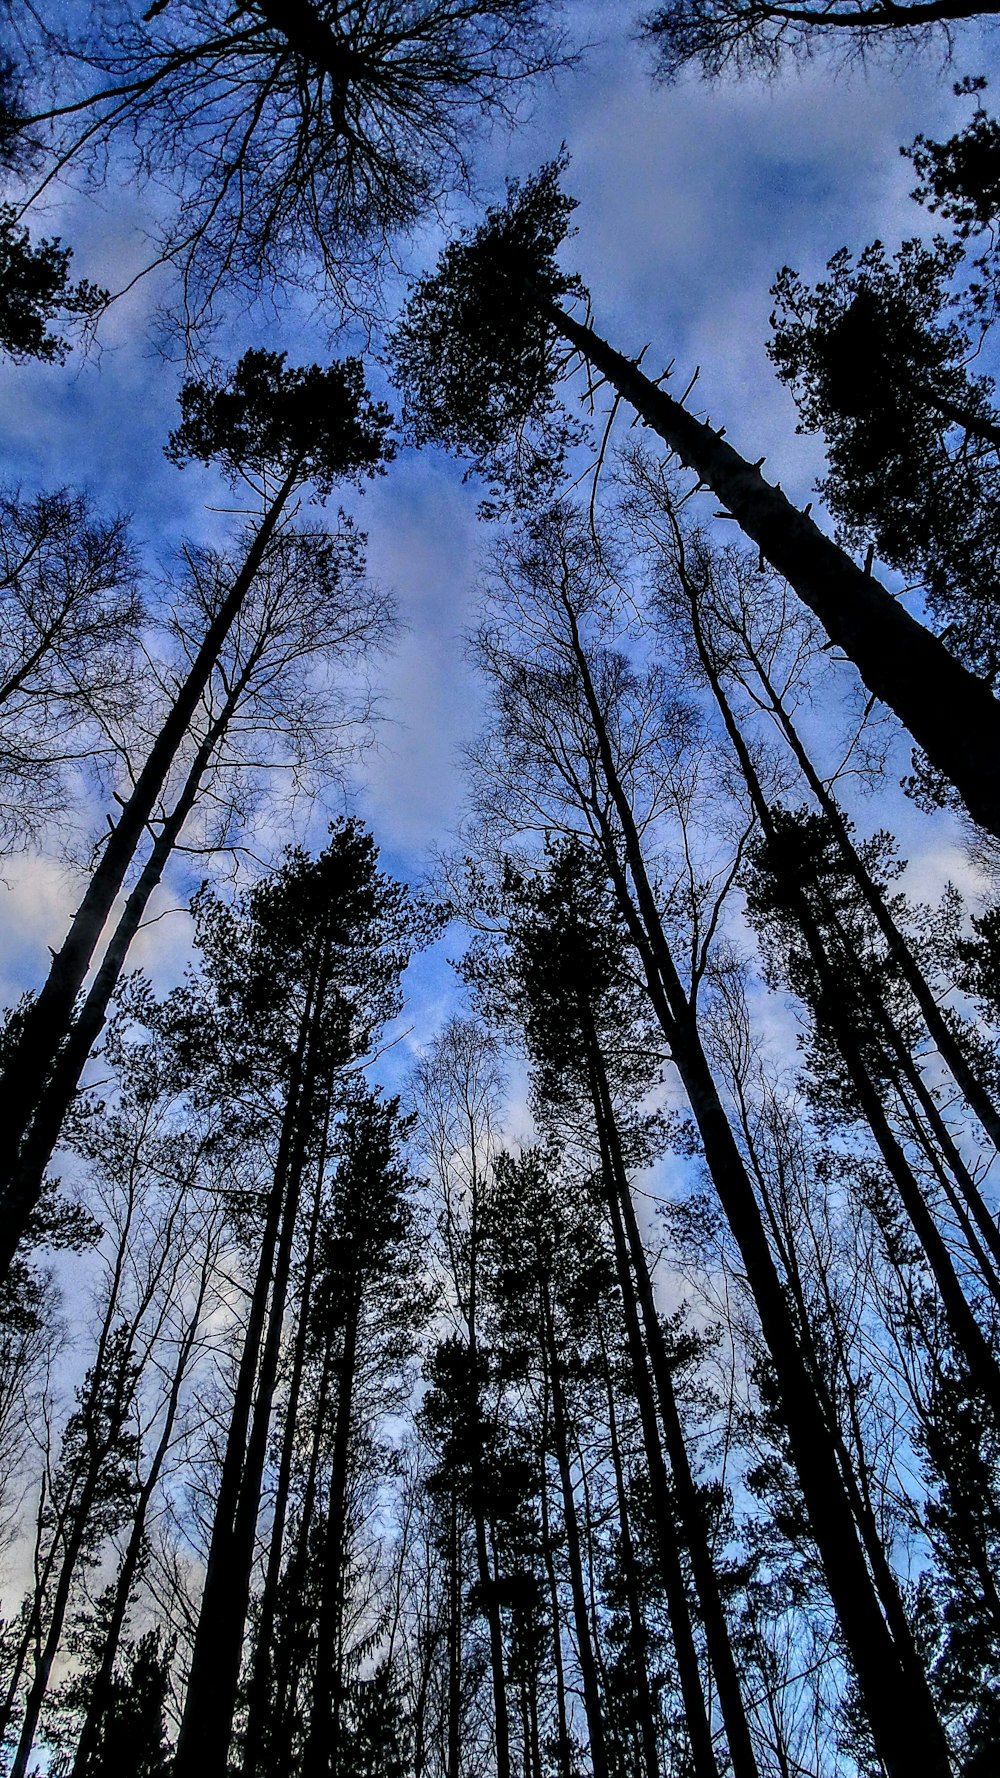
(487,1582)
(852,1463)
(696,1715)
(322,1749)
(63,1081)
(904,1724)
(48,1021)
(638,1637)
(562,1724)
(453,1765)
(948,1045)
(72,1551)
(950,713)
(99,1695)
(206,1724)
(286,1673)
(259,1688)
(720,1648)
(585,1653)
(965,1328)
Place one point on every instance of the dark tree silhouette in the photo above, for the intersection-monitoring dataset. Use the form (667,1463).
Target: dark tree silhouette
(276,430)
(69,614)
(477,356)
(737,36)
(877,357)
(296,135)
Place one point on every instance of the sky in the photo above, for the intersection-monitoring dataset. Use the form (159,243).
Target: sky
(691,198)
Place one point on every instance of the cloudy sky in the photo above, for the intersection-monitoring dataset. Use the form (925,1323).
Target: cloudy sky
(690,200)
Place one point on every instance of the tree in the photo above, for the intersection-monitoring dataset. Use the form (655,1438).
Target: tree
(35,291)
(741,36)
(335,934)
(877,356)
(369,1302)
(35,288)
(566,740)
(69,613)
(766,651)
(292,134)
(476,355)
(457,1090)
(852,992)
(532,1253)
(587,1030)
(275,430)
(133,1740)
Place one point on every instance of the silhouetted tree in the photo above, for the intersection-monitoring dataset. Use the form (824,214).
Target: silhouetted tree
(276,430)
(478,356)
(296,137)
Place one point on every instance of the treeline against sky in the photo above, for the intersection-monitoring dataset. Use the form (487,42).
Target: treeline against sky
(652,1428)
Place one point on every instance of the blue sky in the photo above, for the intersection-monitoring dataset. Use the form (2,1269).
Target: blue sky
(690,199)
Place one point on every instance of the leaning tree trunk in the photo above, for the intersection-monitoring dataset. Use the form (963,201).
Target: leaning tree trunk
(48,1020)
(968,1335)
(904,1722)
(947,1043)
(950,713)
(63,1081)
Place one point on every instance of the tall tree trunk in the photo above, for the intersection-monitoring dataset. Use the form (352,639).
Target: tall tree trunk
(321,1755)
(206,1724)
(948,1045)
(904,1723)
(453,1763)
(485,1571)
(638,1637)
(45,1655)
(48,1020)
(852,1462)
(60,1088)
(259,1688)
(696,1714)
(100,1692)
(584,1647)
(965,1328)
(950,713)
(720,1648)
(281,1716)
(562,1724)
